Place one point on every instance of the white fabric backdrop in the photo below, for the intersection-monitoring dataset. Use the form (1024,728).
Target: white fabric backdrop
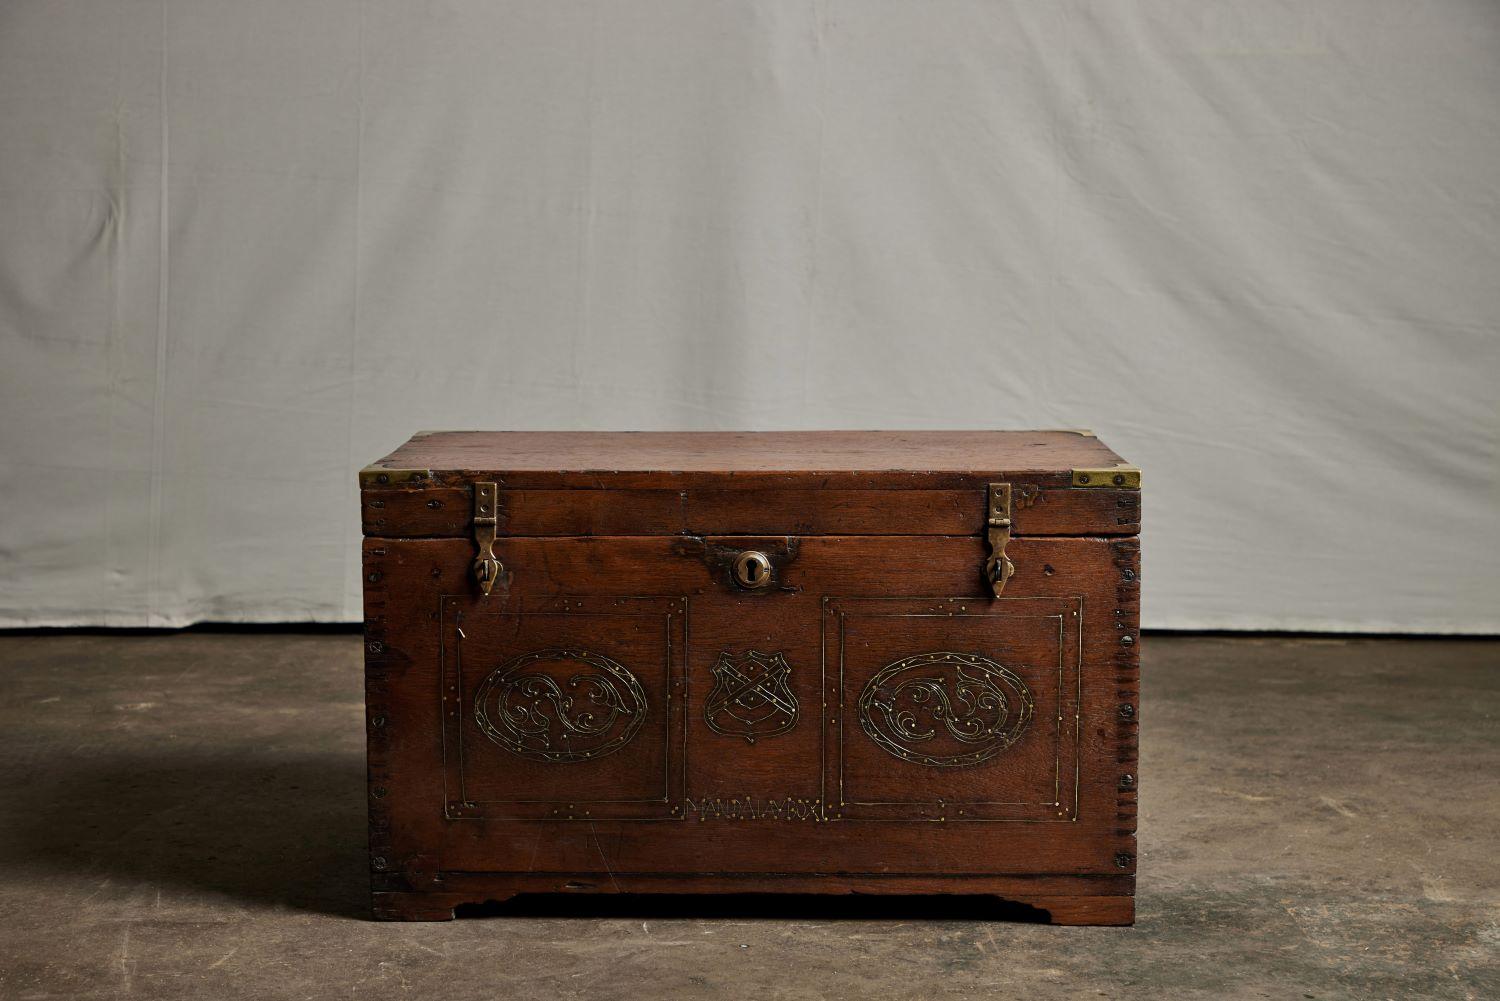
(248,246)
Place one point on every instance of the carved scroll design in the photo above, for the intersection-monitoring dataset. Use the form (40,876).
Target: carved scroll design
(560,706)
(751,697)
(946,710)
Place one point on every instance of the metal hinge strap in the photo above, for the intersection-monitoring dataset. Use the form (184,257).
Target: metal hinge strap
(487,568)
(998,568)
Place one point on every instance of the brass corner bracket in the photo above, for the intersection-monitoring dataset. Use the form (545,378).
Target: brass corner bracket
(1123,476)
(998,568)
(386,476)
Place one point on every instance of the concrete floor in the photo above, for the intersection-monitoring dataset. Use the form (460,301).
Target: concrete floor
(182,816)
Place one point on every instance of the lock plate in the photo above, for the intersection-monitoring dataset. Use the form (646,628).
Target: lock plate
(752,569)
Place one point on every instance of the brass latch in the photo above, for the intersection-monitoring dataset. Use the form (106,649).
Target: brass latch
(487,568)
(998,568)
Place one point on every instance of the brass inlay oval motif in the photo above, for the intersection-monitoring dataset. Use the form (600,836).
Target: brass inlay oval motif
(751,697)
(947,710)
(560,706)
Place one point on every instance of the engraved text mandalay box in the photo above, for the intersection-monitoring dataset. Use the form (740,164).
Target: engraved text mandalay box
(837,662)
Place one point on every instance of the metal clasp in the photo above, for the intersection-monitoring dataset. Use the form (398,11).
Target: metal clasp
(487,568)
(998,568)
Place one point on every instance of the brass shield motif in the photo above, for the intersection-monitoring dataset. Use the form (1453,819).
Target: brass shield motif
(946,710)
(751,697)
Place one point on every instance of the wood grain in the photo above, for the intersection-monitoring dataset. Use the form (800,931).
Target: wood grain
(432,511)
(821,459)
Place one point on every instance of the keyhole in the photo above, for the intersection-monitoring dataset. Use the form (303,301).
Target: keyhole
(752,570)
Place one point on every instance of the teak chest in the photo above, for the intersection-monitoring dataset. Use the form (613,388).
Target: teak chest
(829,662)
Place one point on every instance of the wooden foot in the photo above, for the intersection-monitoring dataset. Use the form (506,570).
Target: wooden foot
(427,906)
(1061,909)
(1086,910)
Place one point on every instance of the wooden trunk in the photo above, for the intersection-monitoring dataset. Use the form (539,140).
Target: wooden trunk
(769,662)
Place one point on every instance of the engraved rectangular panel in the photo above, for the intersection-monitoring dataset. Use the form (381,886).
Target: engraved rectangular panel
(952,709)
(563,707)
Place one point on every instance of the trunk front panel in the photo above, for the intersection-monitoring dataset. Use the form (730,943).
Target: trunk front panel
(624,708)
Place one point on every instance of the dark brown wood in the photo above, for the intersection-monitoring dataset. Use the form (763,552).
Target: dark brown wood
(429,511)
(658,791)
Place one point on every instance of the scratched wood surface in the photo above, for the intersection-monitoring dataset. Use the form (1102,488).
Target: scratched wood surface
(663,786)
(682,459)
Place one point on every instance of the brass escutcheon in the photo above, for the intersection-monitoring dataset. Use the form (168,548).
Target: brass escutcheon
(752,569)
